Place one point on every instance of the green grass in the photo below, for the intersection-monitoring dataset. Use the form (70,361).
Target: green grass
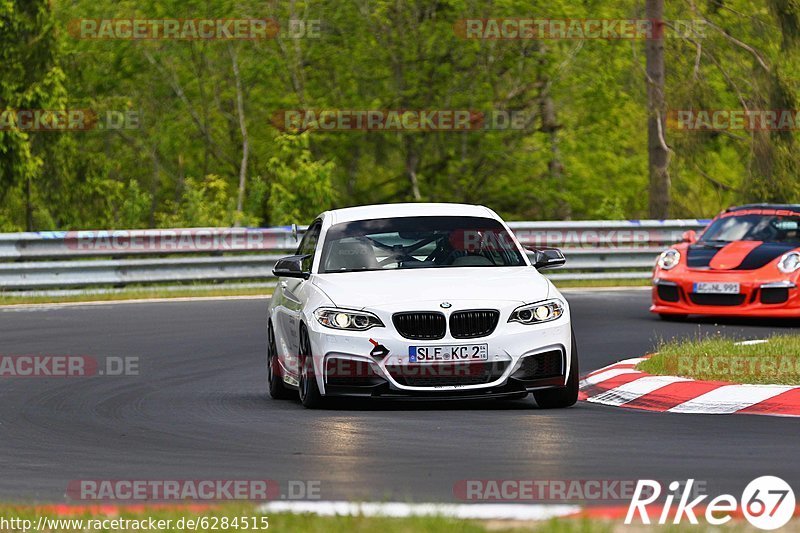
(294,522)
(133,294)
(316,524)
(721,359)
(611,283)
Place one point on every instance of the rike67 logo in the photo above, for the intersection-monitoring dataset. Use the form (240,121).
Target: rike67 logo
(767,502)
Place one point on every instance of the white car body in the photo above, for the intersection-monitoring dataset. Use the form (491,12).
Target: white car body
(434,290)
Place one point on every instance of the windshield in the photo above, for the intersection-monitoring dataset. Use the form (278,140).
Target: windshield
(418,242)
(754,227)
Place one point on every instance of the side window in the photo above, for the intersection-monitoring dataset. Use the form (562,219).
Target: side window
(309,244)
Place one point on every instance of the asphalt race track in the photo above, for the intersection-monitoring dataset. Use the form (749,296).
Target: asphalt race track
(198,410)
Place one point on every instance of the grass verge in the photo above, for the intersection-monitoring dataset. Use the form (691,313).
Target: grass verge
(247,518)
(722,359)
(220,518)
(132,294)
(610,283)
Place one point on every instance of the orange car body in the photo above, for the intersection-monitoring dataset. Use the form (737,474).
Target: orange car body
(733,277)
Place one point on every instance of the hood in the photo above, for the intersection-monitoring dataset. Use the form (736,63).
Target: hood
(738,255)
(376,288)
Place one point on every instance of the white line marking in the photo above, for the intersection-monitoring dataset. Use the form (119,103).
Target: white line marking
(632,361)
(635,389)
(475,511)
(730,398)
(751,343)
(612,371)
(608,374)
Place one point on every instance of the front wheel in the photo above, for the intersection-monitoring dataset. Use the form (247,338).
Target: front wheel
(562,396)
(277,389)
(310,396)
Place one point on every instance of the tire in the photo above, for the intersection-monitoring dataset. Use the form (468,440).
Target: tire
(673,318)
(275,385)
(310,396)
(563,396)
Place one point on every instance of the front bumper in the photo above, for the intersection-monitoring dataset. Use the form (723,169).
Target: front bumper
(522,358)
(760,295)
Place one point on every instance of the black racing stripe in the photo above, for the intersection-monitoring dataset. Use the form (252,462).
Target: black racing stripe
(765,254)
(700,256)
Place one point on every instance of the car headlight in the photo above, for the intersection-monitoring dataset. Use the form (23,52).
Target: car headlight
(348,319)
(669,259)
(789,263)
(538,312)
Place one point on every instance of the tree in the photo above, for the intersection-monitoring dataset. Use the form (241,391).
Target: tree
(301,186)
(657,149)
(31,78)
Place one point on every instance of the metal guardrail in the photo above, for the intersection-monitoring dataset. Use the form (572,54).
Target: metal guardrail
(50,260)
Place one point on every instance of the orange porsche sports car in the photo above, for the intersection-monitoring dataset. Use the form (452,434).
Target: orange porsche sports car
(745,263)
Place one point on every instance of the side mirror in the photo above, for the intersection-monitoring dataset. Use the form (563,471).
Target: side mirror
(544,258)
(690,236)
(291,267)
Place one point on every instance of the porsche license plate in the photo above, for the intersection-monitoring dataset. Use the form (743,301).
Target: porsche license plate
(435,354)
(717,287)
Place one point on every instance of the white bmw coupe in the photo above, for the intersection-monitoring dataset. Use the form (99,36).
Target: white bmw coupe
(418,301)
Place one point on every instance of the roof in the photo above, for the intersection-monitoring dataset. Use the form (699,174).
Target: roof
(780,207)
(349,214)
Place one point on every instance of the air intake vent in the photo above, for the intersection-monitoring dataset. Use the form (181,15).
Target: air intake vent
(669,293)
(775,295)
(473,323)
(447,374)
(543,365)
(729,300)
(420,325)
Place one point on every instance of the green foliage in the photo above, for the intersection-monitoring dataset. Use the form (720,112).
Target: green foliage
(301,187)
(384,54)
(210,202)
(30,78)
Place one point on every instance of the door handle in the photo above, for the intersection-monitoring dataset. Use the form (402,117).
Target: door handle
(283,285)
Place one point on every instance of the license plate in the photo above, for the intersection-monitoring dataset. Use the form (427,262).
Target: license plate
(716,287)
(434,354)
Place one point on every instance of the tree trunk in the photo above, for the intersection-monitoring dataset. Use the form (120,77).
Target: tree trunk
(412,162)
(657,150)
(245,141)
(28,205)
(550,126)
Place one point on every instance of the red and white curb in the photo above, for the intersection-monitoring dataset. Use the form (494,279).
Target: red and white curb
(621,385)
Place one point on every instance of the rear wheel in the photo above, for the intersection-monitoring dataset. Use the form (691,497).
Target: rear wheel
(563,396)
(277,388)
(310,396)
